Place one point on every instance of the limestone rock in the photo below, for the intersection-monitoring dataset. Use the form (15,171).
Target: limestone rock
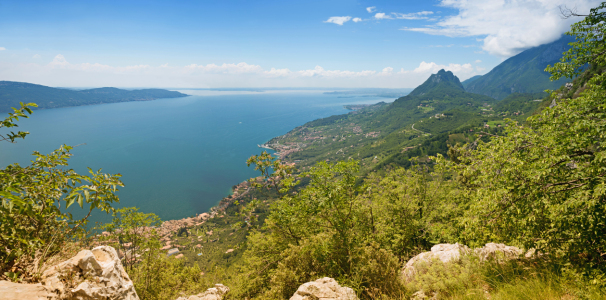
(324,289)
(19,291)
(216,293)
(498,252)
(443,252)
(96,274)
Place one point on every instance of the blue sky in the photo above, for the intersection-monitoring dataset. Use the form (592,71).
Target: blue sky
(267,43)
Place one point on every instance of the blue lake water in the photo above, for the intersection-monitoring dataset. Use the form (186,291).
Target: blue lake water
(178,157)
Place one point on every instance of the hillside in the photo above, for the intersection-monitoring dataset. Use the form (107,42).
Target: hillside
(523,73)
(470,80)
(376,133)
(11,93)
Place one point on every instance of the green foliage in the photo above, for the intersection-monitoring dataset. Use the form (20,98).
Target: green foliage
(274,173)
(589,47)
(446,279)
(519,106)
(10,122)
(356,233)
(470,278)
(542,185)
(33,225)
(129,230)
(159,277)
(47,97)
(411,209)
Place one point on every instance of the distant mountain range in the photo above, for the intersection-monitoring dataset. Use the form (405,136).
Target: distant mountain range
(523,73)
(11,93)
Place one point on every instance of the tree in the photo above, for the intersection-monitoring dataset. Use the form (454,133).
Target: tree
(33,221)
(129,231)
(543,184)
(589,47)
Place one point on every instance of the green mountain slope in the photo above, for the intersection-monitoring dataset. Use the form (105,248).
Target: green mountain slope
(523,73)
(470,80)
(378,132)
(442,80)
(11,93)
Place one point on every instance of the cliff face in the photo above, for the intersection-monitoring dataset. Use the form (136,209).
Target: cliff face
(91,274)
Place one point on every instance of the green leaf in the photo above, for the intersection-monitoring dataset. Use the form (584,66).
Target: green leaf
(69,201)
(80,200)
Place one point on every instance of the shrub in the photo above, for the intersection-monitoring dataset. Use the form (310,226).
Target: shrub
(33,221)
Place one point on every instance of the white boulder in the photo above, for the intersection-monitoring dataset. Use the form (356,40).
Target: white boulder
(443,252)
(498,252)
(215,293)
(324,289)
(20,291)
(96,274)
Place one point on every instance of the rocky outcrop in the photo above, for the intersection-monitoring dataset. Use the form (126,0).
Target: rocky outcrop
(452,252)
(96,274)
(324,289)
(443,252)
(19,291)
(216,293)
(498,252)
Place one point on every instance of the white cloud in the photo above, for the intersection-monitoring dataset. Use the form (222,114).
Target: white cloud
(277,72)
(402,71)
(59,61)
(507,27)
(387,71)
(371,9)
(461,70)
(338,20)
(239,68)
(380,16)
(478,61)
(2,48)
(61,72)
(321,72)
(356,20)
(36,56)
(413,16)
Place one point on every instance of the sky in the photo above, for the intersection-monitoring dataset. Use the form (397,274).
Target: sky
(217,44)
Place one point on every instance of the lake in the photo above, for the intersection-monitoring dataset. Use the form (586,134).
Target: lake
(178,157)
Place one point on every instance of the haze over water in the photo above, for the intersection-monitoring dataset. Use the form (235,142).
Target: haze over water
(178,157)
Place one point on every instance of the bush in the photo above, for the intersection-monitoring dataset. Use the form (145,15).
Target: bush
(159,277)
(33,224)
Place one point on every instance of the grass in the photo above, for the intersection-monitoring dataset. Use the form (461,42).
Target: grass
(495,123)
(518,279)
